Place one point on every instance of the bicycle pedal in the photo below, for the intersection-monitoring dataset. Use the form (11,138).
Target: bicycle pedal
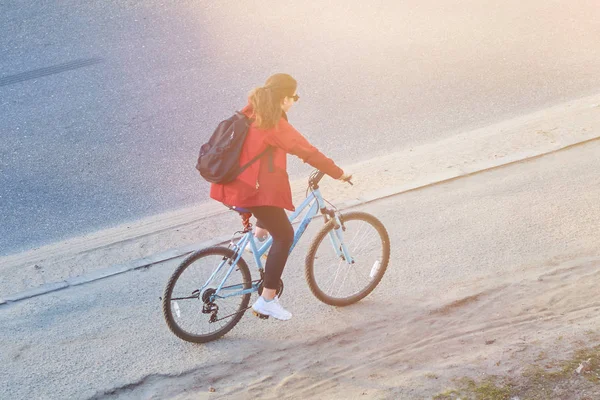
(259,315)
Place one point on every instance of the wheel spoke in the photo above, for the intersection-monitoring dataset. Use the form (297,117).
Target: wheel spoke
(345,277)
(337,271)
(364,236)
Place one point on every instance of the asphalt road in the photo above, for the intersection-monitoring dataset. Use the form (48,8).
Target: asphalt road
(109,336)
(103,105)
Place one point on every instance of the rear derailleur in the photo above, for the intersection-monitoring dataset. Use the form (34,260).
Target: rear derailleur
(209,307)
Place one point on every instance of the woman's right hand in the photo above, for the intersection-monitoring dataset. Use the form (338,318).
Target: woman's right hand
(345,177)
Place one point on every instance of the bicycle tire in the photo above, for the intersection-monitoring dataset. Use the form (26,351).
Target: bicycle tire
(310,275)
(166,302)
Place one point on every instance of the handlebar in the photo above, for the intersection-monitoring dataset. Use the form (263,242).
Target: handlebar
(316,177)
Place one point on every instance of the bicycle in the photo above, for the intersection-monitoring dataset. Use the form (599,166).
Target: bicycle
(224,292)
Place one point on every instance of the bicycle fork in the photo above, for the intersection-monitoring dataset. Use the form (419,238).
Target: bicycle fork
(336,236)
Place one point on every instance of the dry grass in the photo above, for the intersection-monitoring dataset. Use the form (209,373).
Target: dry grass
(575,378)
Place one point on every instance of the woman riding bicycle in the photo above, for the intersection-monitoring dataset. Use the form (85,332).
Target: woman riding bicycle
(264,188)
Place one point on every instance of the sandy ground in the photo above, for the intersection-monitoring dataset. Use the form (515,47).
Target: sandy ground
(506,324)
(463,153)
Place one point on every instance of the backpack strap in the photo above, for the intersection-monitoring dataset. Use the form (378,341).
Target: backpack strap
(269,150)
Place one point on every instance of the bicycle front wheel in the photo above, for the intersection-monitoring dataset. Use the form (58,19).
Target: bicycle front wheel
(192,309)
(334,280)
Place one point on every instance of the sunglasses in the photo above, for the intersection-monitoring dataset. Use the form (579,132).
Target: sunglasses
(295,97)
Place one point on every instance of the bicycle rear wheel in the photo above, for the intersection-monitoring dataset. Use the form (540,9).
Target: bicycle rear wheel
(330,277)
(187,307)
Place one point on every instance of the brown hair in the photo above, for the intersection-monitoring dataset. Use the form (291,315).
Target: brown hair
(266,100)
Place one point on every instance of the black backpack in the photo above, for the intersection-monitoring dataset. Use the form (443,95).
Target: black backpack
(218,161)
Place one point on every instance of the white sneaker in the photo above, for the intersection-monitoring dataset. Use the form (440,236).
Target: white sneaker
(263,308)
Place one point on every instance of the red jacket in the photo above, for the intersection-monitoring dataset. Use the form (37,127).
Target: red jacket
(257,185)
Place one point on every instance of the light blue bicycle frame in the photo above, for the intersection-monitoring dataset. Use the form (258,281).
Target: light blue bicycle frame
(314,202)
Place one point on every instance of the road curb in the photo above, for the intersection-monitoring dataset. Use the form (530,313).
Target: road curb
(37,291)
(157,258)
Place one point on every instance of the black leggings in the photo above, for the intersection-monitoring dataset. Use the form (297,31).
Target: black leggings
(275,220)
